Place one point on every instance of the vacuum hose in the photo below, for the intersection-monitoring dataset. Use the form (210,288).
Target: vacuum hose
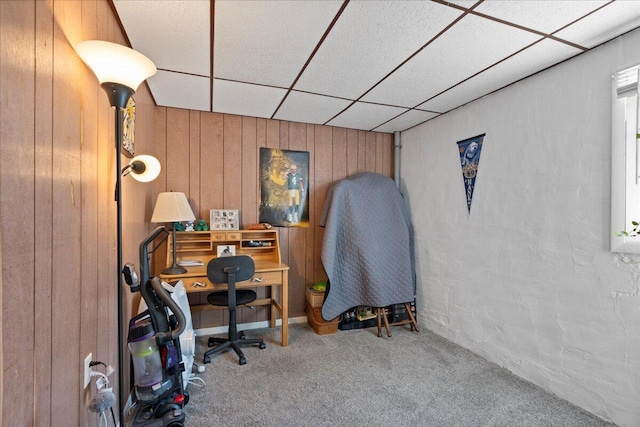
(163,294)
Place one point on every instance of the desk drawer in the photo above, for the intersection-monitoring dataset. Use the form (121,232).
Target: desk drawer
(233,235)
(269,278)
(225,236)
(189,286)
(218,237)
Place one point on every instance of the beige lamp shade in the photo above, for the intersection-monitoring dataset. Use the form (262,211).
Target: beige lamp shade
(114,63)
(171,207)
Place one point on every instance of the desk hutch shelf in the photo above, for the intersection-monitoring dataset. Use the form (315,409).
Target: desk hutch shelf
(261,245)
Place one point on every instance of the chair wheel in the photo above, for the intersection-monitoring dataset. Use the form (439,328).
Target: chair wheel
(241,335)
(262,346)
(242,361)
(206,359)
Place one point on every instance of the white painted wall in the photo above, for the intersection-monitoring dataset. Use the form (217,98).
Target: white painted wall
(527,280)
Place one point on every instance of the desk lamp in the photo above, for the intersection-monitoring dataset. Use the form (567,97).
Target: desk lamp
(120,70)
(172,207)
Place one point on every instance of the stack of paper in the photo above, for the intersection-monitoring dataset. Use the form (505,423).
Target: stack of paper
(190,263)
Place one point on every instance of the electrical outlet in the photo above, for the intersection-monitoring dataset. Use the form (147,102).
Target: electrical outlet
(87,369)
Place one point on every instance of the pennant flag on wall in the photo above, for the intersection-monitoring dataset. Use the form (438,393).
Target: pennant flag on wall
(470,150)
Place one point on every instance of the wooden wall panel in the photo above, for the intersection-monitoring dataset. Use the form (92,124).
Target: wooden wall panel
(178,151)
(388,154)
(249,195)
(228,174)
(161,148)
(16,233)
(273,134)
(352,152)
(232,163)
(370,152)
(313,231)
(378,151)
(339,153)
(160,183)
(211,168)
(323,176)
(107,326)
(250,161)
(57,236)
(88,291)
(232,183)
(362,151)
(283,144)
(211,194)
(298,236)
(43,210)
(262,313)
(194,162)
(67,216)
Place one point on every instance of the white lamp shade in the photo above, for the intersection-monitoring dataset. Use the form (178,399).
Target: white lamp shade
(114,63)
(150,171)
(171,207)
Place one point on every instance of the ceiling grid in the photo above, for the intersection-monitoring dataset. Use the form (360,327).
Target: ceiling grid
(384,65)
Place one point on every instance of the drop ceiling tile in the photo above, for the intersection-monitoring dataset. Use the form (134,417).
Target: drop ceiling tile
(525,63)
(268,42)
(174,36)
(405,121)
(245,99)
(180,90)
(362,115)
(368,41)
(614,19)
(468,47)
(545,16)
(310,108)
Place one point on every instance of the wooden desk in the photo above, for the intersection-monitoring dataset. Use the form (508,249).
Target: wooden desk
(270,272)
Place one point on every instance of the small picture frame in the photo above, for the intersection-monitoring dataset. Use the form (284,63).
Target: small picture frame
(225,250)
(224,219)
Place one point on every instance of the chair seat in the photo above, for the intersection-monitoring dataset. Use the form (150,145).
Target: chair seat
(221,298)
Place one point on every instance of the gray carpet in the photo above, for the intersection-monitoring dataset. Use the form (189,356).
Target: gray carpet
(354,378)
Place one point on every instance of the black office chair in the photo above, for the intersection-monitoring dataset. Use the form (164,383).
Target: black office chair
(231,269)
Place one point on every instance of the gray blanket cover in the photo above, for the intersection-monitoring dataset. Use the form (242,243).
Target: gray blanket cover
(367,249)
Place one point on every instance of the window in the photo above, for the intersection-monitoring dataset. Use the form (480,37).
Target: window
(625,160)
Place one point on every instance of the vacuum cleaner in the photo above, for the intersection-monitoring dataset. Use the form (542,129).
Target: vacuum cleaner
(154,343)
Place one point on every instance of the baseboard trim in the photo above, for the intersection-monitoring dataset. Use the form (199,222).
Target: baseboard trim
(247,326)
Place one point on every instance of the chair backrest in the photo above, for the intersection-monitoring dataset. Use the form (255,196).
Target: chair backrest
(219,268)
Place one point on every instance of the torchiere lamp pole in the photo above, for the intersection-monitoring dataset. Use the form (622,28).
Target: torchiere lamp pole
(120,71)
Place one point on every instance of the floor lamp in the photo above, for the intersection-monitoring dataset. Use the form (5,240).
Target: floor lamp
(120,71)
